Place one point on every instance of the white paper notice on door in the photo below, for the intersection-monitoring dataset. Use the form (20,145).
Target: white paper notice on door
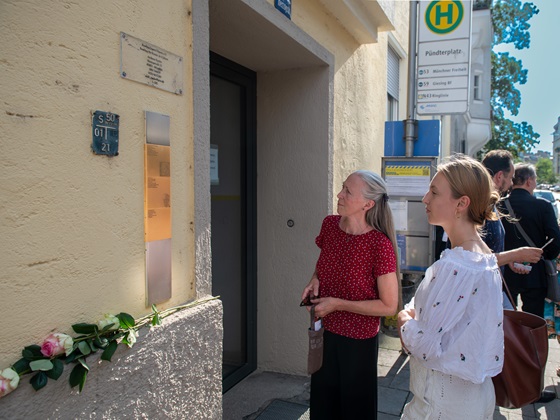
(400,212)
(214,174)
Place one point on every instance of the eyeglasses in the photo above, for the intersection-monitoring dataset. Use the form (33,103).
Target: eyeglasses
(307,300)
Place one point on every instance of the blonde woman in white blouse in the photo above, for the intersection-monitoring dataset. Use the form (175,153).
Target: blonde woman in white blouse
(452,329)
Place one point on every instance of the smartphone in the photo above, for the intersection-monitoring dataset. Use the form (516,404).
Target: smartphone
(307,300)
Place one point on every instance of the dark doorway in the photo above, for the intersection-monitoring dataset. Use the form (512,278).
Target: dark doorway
(233,207)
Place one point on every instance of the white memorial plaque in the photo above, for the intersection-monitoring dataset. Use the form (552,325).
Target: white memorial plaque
(146,63)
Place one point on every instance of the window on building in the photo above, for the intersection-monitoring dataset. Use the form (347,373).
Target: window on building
(393,75)
(477,88)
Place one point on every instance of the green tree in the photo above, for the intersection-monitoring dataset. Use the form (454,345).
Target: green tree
(510,22)
(545,173)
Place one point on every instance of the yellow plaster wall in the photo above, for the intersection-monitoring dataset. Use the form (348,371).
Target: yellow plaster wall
(72,223)
(360,86)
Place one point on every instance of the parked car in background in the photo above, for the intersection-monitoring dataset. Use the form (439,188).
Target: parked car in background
(548,195)
(557,197)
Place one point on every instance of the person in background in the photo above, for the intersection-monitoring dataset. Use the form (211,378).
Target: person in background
(552,317)
(499,164)
(452,329)
(537,218)
(356,278)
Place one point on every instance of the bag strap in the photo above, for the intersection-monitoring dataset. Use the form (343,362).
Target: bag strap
(508,293)
(312,312)
(521,230)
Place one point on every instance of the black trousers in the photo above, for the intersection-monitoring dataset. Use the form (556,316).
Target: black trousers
(346,385)
(533,299)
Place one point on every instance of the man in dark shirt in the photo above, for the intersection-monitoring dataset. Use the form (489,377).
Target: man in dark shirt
(536,217)
(499,164)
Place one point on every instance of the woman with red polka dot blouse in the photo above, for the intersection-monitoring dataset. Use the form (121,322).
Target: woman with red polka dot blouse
(355,281)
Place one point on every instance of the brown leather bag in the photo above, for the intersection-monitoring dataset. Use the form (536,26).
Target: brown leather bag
(525,352)
(315,354)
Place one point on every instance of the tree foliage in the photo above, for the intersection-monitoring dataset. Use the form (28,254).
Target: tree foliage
(510,22)
(545,172)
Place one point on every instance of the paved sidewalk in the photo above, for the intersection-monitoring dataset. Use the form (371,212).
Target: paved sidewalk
(250,398)
(394,375)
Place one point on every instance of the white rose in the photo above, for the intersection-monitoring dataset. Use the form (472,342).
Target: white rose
(9,380)
(109,319)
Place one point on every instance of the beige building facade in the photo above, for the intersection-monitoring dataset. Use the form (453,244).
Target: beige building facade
(556,147)
(266,116)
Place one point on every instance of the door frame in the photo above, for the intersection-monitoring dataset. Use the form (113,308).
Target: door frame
(235,73)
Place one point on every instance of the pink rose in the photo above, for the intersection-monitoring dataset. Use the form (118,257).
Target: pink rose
(56,344)
(9,380)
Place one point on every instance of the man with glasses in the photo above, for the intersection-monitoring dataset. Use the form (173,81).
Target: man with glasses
(536,217)
(499,164)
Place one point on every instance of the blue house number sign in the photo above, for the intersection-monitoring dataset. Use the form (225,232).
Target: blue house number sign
(105,133)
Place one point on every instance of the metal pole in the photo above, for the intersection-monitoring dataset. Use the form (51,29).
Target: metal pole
(410,122)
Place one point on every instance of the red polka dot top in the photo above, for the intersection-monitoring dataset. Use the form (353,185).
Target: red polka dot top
(347,268)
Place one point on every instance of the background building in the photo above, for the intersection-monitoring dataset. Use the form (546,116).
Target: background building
(556,147)
(469,132)
(265,114)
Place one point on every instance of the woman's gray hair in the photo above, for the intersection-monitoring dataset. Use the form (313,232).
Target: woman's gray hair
(376,190)
(380,216)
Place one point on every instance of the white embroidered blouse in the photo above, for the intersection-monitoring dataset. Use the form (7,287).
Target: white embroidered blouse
(458,328)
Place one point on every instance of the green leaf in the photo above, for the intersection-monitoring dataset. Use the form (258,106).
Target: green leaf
(21,366)
(117,336)
(92,346)
(84,347)
(43,364)
(83,363)
(127,338)
(83,328)
(72,357)
(56,371)
(78,376)
(39,380)
(109,351)
(32,352)
(101,342)
(107,328)
(155,319)
(127,321)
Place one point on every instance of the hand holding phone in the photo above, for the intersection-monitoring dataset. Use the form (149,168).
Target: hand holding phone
(307,300)
(526,268)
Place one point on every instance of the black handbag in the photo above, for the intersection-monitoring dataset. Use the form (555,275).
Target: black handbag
(525,353)
(553,287)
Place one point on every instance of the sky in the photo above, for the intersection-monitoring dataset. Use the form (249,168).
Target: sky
(540,96)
